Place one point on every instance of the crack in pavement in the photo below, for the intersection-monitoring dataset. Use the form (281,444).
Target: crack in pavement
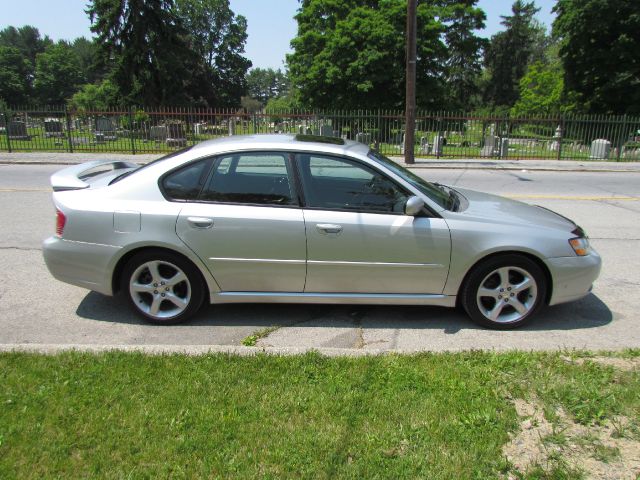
(24,249)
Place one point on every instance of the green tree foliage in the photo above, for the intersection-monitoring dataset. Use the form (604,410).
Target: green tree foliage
(87,53)
(27,39)
(163,52)
(14,73)
(92,96)
(351,54)
(464,53)
(58,74)
(600,52)
(17,66)
(146,49)
(264,84)
(540,91)
(510,52)
(218,37)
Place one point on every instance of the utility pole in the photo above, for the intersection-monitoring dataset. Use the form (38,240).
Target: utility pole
(410,108)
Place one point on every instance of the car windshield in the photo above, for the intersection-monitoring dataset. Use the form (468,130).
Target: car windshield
(435,192)
(142,167)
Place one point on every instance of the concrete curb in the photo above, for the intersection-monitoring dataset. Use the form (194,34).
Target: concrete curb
(52,349)
(240,350)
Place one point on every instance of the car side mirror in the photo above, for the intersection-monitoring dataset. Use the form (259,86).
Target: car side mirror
(413,206)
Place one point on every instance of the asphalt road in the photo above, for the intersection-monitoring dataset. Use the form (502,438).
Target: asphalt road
(35,309)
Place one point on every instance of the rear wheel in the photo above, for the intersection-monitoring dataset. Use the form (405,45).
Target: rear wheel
(162,287)
(504,291)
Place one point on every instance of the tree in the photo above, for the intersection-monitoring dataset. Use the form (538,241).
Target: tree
(92,96)
(161,52)
(146,48)
(14,76)
(264,84)
(599,45)
(87,53)
(27,39)
(28,43)
(464,52)
(351,53)
(540,91)
(57,74)
(509,53)
(218,37)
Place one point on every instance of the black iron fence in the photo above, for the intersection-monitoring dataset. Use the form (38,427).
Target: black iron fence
(438,134)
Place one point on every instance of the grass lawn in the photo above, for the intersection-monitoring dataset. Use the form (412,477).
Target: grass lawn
(435,416)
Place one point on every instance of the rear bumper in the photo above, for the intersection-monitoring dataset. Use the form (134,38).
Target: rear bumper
(573,277)
(79,263)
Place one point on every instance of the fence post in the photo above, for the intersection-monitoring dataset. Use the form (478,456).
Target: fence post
(561,137)
(68,122)
(133,144)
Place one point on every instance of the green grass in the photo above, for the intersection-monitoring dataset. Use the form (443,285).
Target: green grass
(436,416)
(252,339)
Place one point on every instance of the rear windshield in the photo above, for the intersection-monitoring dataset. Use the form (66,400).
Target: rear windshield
(165,157)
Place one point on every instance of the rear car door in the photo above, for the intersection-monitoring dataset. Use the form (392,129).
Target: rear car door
(358,238)
(246,224)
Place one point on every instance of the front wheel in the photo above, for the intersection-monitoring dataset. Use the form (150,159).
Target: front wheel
(504,292)
(162,287)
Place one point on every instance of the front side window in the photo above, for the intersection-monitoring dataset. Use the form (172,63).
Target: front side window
(340,184)
(250,178)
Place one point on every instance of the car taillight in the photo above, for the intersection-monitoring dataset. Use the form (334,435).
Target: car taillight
(60,221)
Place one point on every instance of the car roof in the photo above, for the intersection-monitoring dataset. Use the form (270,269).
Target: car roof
(312,143)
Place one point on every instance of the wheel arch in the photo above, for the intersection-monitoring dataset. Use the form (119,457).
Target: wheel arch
(537,260)
(116,278)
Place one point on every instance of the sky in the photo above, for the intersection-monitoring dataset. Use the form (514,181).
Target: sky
(270,23)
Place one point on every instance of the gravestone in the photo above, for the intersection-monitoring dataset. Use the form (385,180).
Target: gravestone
(158,133)
(489,148)
(600,149)
(438,143)
(176,136)
(309,131)
(555,143)
(326,131)
(53,128)
(198,128)
(18,131)
(301,129)
(232,127)
(363,138)
(425,148)
(105,129)
(504,147)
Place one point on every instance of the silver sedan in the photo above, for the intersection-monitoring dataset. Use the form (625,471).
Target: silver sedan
(306,219)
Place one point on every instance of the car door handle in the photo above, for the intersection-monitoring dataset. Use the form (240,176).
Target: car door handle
(329,228)
(200,222)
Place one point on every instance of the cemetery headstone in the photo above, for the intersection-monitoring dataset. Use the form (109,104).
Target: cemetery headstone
(600,149)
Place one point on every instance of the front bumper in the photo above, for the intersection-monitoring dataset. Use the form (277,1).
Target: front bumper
(83,264)
(573,277)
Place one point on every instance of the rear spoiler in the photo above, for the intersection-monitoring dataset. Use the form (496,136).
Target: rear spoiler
(73,178)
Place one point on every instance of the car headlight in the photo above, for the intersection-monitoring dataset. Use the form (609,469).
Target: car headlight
(580,245)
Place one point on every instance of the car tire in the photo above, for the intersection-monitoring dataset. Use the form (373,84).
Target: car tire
(504,291)
(162,287)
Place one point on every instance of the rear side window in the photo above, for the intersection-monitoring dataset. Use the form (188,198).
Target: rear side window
(186,183)
(251,178)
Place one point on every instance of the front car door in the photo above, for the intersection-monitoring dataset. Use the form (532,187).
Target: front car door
(245,223)
(358,238)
